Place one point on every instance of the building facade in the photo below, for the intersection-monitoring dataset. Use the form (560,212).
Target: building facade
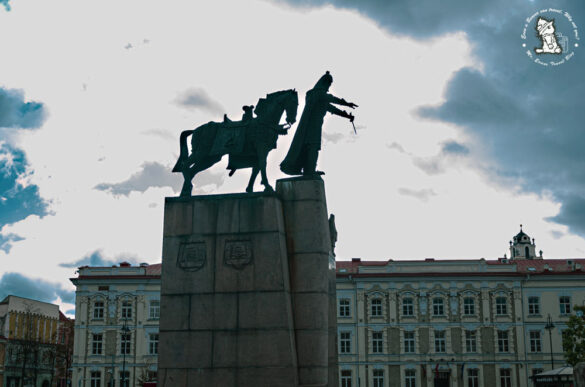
(28,342)
(116,325)
(459,323)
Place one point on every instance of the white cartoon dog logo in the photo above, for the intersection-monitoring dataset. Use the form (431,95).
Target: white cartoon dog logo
(546,33)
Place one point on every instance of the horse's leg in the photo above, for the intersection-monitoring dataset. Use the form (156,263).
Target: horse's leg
(262,167)
(250,187)
(188,175)
(190,172)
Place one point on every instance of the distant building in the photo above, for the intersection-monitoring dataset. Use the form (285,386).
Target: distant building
(455,323)
(116,325)
(28,341)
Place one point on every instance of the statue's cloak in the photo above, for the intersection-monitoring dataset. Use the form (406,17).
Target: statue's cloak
(308,131)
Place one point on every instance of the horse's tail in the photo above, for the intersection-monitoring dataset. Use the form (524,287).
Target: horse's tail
(184,150)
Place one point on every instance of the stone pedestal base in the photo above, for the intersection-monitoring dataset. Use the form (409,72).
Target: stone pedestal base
(247,289)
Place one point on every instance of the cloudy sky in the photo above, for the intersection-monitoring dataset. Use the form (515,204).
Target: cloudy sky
(461,137)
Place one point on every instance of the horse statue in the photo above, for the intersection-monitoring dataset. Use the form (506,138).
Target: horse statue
(247,142)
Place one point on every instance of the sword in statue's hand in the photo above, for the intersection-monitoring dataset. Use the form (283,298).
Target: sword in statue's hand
(351,118)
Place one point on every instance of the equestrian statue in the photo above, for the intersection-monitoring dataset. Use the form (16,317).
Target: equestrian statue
(247,142)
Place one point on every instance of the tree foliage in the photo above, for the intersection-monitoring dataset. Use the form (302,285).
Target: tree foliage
(574,337)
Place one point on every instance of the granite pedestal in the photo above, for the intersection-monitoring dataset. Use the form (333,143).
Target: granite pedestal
(248,290)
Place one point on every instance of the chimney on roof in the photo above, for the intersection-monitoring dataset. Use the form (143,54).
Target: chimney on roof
(125,264)
(356,259)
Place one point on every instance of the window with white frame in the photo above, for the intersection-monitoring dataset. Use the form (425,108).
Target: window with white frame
(469,306)
(377,342)
(376,307)
(565,304)
(345,342)
(438,306)
(505,377)
(501,305)
(378,377)
(408,306)
(95,379)
(470,341)
(126,309)
(125,341)
(154,309)
(409,342)
(153,343)
(503,342)
(472,377)
(533,305)
(345,378)
(125,379)
(535,341)
(410,378)
(440,342)
(344,307)
(97,344)
(98,310)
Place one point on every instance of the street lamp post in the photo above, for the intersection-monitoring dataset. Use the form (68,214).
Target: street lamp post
(549,327)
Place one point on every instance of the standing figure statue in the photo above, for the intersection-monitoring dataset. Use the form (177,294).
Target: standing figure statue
(302,156)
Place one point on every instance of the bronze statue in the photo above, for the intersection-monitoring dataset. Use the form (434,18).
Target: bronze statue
(247,142)
(301,158)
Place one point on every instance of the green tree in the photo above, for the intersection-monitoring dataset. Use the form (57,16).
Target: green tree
(574,337)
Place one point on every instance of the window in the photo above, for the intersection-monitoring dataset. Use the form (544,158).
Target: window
(377,342)
(153,343)
(468,306)
(98,310)
(345,342)
(470,341)
(407,306)
(438,306)
(378,378)
(533,305)
(376,307)
(440,345)
(505,377)
(126,309)
(409,342)
(472,377)
(154,310)
(344,310)
(96,379)
(536,371)
(345,378)
(96,344)
(503,343)
(565,304)
(535,344)
(125,340)
(125,379)
(410,378)
(501,306)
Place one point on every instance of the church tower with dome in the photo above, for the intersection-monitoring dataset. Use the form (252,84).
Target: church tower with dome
(522,247)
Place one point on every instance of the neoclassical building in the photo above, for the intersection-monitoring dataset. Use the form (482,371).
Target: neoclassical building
(116,325)
(456,323)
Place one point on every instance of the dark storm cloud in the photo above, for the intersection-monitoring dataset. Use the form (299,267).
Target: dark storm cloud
(17,284)
(454,148)
(196,98)
(525,117)
(97,259)
(7,240)
(15,113)
(153,174)
(421,194)
(332,137)
(17,200)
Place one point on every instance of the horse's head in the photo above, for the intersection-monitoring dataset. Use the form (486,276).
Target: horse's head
(270,109)
(291,104)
